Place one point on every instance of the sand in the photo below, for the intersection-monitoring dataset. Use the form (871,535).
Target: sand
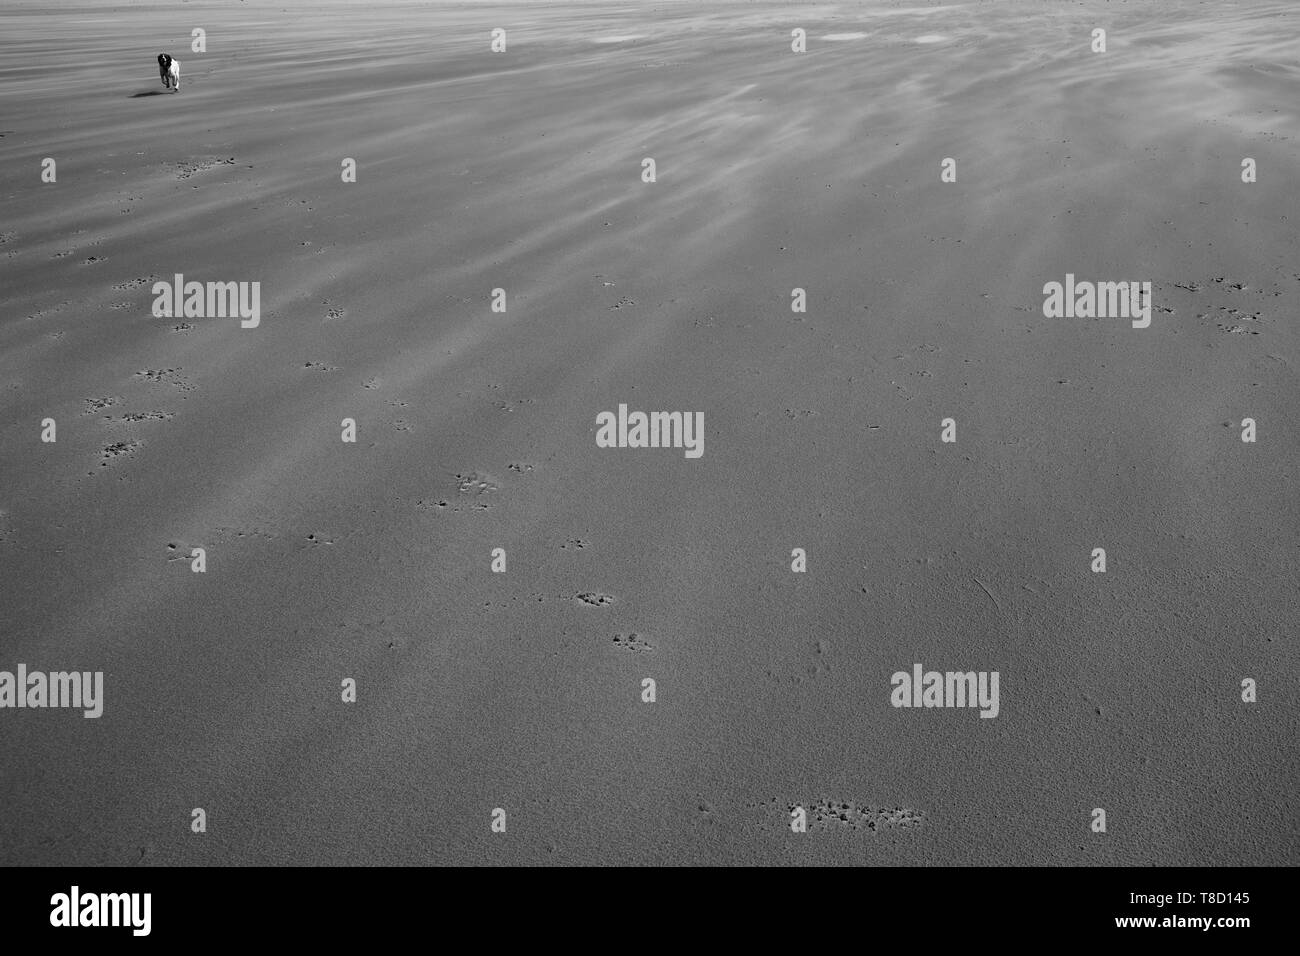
(522,690)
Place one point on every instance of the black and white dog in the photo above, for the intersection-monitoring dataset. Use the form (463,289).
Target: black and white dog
(170,72)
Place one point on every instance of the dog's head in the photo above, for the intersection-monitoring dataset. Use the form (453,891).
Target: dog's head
(164,61)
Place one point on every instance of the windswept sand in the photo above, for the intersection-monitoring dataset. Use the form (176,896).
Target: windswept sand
(476,430)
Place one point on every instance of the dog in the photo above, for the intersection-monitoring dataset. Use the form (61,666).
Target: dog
(169,71)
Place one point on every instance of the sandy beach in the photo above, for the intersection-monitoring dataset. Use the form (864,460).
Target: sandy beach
(523,170)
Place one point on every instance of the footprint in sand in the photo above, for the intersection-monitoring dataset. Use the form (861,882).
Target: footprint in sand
(827,814)
(171,376)
(118,450)
(186,170)
(634,643)
(131,418)
(40,312)
(473,490)
(96,404)
(476,483)
(134,283)
(1230,319)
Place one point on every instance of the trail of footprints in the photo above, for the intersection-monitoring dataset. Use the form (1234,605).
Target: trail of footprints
(126,448)
(1229,319)
(475,491)
(122,448)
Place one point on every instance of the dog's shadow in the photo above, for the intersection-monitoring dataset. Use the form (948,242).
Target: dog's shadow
(136,96)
